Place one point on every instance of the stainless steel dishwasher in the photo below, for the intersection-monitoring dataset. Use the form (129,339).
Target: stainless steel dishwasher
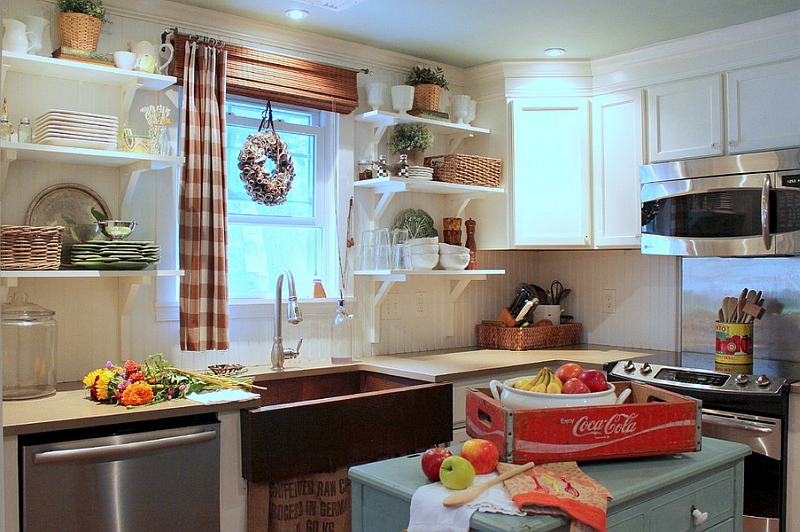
(149,475)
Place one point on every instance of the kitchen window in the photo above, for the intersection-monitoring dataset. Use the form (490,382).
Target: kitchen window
(297,235)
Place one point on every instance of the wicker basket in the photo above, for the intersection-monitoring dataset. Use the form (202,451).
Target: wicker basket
(524,338)
(79,30)
(24,247)
(427,96)
(466,169)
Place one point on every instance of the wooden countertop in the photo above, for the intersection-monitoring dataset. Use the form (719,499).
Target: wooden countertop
(72,409)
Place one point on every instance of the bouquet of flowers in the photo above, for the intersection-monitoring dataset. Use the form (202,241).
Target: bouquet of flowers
(154,381)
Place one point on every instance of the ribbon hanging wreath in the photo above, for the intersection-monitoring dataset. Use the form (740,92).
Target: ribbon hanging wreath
(267,188)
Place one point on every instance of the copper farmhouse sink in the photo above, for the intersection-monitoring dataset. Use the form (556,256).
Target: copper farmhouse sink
(313,423)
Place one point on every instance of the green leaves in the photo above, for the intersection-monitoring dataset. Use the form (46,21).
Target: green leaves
(410,136)
(94,8)
(425,75)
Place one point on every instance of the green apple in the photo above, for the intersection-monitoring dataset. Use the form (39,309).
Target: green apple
(457,473)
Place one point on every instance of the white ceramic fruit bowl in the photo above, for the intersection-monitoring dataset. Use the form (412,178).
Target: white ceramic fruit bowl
(424,248)
(448,249)
(451,261)
(424,261)
(423,241)
(524,400)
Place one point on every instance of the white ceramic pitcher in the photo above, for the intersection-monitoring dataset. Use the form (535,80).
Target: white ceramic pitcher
(147,57)
(37,26)
(16,38)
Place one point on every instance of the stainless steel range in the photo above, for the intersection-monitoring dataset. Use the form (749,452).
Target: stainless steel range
(747,407)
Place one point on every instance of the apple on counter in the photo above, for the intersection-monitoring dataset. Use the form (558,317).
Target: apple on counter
(432,460)
(457,473)
(482,454)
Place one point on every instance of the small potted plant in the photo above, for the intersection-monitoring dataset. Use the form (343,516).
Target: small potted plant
(428,84)
(411,140)
(79,23)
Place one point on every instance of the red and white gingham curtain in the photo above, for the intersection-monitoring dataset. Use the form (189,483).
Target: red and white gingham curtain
(203,231)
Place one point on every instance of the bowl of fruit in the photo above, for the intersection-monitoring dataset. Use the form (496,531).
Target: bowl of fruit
(569,385)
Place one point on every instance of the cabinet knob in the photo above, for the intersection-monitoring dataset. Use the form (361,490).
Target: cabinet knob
(699,517)
(731,143)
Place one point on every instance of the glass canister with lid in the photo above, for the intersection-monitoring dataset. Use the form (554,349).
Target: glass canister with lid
(29,349)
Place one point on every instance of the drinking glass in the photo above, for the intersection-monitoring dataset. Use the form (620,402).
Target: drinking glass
(383,255)
(401,255)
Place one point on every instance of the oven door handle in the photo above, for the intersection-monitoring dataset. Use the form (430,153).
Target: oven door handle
(737,424)
(765,235)
(122,450)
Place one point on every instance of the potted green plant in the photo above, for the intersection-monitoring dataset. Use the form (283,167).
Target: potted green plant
(411,140)
(428,84)
(79,23)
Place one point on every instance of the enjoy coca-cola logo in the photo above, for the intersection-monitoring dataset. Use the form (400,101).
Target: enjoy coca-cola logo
(616,424)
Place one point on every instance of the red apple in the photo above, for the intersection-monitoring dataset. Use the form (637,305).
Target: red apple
(482,454)
(595,380)
(575,385)
(432,460)
(568,371)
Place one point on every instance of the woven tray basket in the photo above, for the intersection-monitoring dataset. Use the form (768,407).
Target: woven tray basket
(427,96)
(465,169)
(24,247)
(79,30)
(524,338)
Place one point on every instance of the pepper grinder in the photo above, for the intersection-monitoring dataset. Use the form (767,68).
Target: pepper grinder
(473,262)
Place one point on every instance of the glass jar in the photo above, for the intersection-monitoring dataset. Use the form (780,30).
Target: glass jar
(6,129)
(29,349)
(24,131)
(364,170)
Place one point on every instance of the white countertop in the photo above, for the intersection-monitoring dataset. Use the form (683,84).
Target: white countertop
(73,409)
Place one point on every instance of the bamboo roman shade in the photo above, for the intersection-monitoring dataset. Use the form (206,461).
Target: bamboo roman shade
(266,76)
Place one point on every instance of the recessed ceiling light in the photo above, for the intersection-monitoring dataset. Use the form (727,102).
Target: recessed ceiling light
(554,52)
(296,14)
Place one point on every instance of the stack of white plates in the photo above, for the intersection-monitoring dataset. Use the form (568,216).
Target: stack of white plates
(420,172)
(115,255)
(59,127)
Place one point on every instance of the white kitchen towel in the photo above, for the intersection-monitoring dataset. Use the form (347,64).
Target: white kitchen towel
(221,396)
(428,514)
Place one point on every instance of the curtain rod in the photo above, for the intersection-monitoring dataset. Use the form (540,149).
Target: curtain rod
(220,44)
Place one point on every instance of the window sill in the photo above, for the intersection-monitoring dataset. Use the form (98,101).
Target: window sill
(257,308)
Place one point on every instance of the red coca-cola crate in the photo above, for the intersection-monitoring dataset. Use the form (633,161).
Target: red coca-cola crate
(652,421)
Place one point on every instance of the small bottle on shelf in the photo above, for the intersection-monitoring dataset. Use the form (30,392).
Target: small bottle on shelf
(6,129)
(24,131)
(319,290)
(341,336)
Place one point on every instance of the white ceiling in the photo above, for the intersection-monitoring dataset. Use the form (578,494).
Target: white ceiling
(467,33)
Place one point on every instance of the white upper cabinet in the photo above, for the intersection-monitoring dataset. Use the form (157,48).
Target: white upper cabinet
(551,173)
(618,151)
(764,107)
(685,119)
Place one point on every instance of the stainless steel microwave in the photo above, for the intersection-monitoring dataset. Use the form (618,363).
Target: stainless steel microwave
(732,206)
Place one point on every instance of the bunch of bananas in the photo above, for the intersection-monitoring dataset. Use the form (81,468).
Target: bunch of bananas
(544,382)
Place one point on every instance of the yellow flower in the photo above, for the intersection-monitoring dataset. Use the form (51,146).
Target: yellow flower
(138,393)
(102,384)
(88,380)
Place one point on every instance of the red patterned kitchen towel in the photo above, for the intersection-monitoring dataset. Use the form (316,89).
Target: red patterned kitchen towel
(560,489)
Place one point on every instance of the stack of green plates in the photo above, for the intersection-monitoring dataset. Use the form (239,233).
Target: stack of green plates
(115,255)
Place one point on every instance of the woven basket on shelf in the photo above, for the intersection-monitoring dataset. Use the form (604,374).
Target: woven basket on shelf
(79,30)
(524,338)
(24,247)
(427,96)
(466,169)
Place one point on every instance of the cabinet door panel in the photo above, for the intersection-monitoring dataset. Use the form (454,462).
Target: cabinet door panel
(685,119)
(618,153)
(551,173)
(764,107)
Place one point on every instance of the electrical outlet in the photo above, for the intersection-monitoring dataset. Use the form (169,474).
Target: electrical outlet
(392,308)
(609,301)
(421,304)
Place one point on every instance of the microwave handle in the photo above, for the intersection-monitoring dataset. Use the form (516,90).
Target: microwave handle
(765,235)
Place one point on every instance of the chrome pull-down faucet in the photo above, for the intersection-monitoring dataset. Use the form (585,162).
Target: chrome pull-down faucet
(293,315)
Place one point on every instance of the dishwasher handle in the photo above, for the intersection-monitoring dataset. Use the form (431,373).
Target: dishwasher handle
(122,450)
(739,424)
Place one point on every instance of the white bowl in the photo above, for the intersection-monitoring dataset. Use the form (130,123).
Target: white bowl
(524,400)
(424,248)
(447,249)
(424,261)
(451,261)
(423,241)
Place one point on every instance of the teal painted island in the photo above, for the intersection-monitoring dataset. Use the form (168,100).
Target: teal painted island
(653,494)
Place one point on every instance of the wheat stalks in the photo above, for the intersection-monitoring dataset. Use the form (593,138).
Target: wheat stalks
(218,381)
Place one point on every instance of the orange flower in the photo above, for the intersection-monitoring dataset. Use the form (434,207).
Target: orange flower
(138,393)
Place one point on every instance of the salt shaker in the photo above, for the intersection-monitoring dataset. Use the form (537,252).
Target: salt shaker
(24,131)
(5,129)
